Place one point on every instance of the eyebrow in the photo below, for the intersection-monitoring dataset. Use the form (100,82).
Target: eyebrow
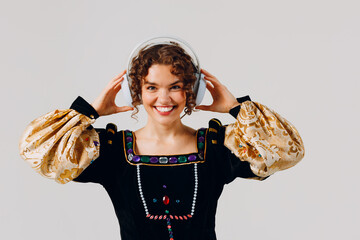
(155,84)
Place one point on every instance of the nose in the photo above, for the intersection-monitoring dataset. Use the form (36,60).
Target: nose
(164,96)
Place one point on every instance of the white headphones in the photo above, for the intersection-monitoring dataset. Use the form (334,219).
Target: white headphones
(199,87)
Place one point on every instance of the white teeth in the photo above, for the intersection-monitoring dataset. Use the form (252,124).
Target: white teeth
(164,109)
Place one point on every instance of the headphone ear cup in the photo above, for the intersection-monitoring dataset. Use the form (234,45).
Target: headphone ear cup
(125,87)
(201,88)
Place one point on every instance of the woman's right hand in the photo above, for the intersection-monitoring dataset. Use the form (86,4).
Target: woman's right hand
(104,104)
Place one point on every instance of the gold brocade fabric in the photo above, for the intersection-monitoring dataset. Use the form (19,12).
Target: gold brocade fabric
(58,145)
(263,138)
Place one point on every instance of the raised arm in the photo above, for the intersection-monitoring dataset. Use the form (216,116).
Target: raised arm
(62,143)
(59,145)
(263,138)
(260,136)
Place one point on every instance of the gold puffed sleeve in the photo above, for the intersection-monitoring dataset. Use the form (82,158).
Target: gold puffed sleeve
(59,146)
(263,138)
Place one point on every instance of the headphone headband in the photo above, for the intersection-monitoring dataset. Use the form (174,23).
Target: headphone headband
(169,40)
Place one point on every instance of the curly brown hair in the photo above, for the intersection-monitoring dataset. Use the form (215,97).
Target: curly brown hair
(168,54)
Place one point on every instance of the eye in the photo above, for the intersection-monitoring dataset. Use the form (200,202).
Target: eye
(176,87)
(150,88)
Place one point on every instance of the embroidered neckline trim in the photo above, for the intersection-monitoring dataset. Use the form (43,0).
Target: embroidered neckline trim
(164,160)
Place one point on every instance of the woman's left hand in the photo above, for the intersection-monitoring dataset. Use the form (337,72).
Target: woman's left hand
(223,100)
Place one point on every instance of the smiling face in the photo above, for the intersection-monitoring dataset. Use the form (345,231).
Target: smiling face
(163,95)
(162,55)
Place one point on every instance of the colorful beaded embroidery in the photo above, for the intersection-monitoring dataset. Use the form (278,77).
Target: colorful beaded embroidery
(133,158)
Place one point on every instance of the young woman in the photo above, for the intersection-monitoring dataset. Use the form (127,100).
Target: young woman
(164,179)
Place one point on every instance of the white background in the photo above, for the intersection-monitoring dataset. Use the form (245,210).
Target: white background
(300,58)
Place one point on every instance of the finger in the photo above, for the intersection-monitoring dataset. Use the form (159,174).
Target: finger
(214,94)
(211,89)
(116,78)
(111,88)
(213,80)
(119,76)
(206,73)
(124,109)
(118,84)
(204,107)
(117,87)
(209,85)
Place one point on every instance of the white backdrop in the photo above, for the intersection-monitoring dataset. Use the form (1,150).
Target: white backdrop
(300,58)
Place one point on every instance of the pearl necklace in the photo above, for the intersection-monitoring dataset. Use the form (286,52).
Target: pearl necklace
(165,217)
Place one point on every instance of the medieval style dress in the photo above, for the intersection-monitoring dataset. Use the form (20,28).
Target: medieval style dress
(161,197)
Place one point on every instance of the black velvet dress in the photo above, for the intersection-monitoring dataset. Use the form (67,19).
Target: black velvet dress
(164,197)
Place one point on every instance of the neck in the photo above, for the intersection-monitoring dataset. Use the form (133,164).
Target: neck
(164,132)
